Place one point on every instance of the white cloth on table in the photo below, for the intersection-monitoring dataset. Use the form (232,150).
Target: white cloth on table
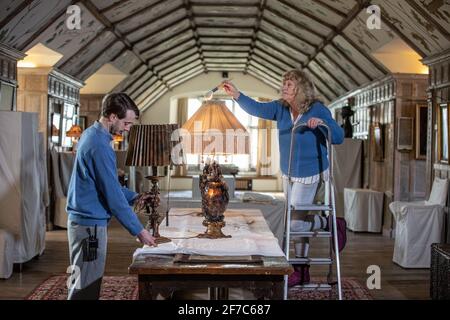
(249,232)
(363,209)
(418,225)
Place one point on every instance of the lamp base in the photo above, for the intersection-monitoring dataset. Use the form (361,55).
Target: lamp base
(213,230)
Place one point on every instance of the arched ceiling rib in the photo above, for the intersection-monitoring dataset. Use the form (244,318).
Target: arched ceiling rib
(163,43)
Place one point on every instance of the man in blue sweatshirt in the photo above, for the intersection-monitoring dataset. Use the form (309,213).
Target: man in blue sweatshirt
(95,195)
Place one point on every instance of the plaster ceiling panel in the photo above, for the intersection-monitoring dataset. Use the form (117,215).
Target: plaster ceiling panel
(224,22)
(415,27)
(329,65)
(169,54)
(149,15)
(81,57)
(237,32)
(106,56)
(358,58)
(366,39)
(18,31)
(324,75)
(128,8)
(158,25)
(293,27)
(291,52)
(277,54)
(225,10)
(286,38)
(168,44)
(159,37)
(287,11)
(346,64)
(127,61)
(184,55)
(317,10)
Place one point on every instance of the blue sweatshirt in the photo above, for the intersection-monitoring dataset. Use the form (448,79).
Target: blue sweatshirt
(94,191)
(310,150)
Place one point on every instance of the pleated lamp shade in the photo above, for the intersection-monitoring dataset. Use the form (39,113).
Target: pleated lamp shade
(214,129)
(151,145)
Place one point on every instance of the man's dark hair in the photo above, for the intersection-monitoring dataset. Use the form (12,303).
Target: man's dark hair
(118,103)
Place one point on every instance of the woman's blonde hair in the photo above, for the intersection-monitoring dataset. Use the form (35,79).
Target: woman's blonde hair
(306,90)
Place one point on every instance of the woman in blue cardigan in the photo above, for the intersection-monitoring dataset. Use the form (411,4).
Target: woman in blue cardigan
(309,165)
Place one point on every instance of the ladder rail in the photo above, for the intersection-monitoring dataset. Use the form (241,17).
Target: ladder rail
(330,186)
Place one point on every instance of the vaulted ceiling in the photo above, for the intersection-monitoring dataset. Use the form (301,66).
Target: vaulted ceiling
(160,44)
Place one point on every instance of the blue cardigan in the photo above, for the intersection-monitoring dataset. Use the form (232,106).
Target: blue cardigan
(310,150)
(94,193)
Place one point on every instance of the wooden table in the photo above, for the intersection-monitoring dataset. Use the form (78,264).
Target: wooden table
(159,274)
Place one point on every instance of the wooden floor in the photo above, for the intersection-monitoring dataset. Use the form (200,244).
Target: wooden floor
(362,250)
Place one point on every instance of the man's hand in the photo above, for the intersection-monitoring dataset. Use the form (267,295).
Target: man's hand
(146,238)
(230,89)
(314,122)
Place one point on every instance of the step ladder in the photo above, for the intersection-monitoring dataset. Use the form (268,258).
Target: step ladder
(328,208)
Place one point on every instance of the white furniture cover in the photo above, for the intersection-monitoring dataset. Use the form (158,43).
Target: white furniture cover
(363,209)
(418,225)
(24,193)
(250,235)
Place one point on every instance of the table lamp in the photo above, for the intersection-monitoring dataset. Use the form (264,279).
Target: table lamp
(214,120)
(74,133)
(151,146)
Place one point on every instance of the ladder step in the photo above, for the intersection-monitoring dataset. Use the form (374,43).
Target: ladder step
(314,287)
(313,207)
(313,261)
(311,234)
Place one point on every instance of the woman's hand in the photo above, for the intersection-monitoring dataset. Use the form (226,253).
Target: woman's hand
(314,122)
(230,89)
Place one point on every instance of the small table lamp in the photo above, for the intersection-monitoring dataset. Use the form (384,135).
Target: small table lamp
(151,146)
(215,122)
(74,133)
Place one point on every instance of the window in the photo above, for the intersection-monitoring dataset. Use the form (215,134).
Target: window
(443,133)
(246,163)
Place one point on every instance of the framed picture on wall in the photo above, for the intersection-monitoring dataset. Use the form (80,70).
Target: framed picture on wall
(443,133)
(421,131)
(378,141)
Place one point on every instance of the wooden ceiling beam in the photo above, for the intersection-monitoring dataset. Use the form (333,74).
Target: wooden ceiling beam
(262,5)
(190,17)
(100,17)
(14,13)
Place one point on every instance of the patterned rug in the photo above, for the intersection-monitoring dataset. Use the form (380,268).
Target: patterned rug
(126,288)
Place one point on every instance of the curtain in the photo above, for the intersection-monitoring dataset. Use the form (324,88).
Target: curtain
(181,119)
(264,162)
